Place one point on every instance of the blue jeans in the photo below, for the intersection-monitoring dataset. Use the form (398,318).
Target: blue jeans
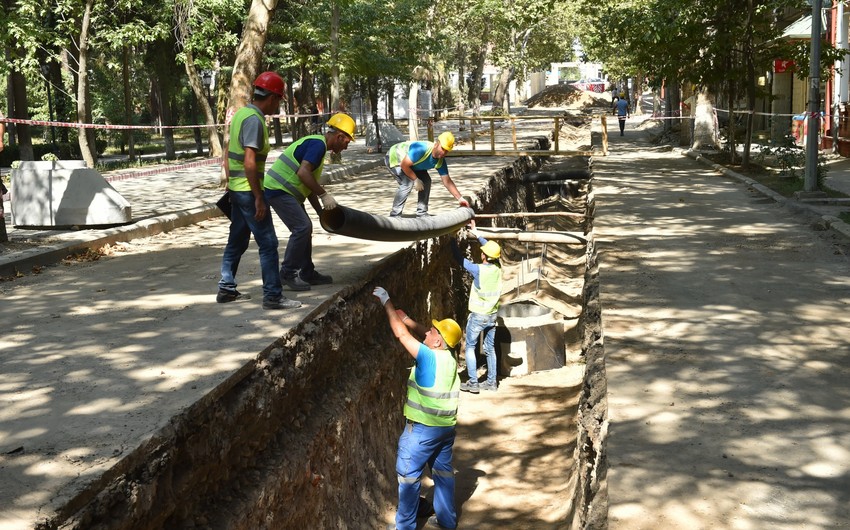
(298,255)
(242,225)
(405,185)
(475,324)
(420,445)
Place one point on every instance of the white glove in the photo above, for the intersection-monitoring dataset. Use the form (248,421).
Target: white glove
(418,185)
(328,201)
(382,295)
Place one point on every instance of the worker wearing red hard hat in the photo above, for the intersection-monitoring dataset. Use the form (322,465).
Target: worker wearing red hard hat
(247,149)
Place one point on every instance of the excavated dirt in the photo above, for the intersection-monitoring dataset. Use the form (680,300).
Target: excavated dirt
(566,97)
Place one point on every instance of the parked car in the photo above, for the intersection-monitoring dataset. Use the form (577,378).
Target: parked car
(596,85)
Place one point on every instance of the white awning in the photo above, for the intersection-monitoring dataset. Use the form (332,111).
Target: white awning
(802,29)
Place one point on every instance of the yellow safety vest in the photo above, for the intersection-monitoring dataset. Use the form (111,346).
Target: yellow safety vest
(399,151)
(236,153)
(435,406)
(485,300)
(283,175)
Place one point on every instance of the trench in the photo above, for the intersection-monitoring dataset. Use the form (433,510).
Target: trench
(305,436)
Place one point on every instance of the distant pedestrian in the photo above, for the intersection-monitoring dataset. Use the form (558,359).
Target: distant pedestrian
(294,178)
(247,148)
(623,111)
(409,163)
(483,306)
(430,415)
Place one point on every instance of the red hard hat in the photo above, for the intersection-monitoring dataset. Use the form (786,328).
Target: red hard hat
(270,81)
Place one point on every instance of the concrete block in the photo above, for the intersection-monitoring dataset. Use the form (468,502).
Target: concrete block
(529,339)
(65,193)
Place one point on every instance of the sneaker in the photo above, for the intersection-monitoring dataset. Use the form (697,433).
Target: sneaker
(316,278)
(281,303)
(467,387)
(224,296)
(295,283)
(432,523)
(489,386)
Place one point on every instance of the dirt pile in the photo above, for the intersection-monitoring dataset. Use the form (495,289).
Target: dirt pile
(565,96)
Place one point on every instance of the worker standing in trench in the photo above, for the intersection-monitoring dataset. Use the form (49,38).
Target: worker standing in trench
(293,178)
(433,394)
(484,294)
(412,175)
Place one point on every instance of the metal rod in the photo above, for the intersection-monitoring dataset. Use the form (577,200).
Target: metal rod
(527,214)
(533,236)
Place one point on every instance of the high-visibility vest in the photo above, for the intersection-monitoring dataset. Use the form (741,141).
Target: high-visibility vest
(435,406)
(283,175)
(399,151)
(236,153)
(484,300)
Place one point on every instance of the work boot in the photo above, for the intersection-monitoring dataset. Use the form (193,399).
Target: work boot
(295,283)
(316,278)
(280,303)
(224,296)
(432,523)
(466,386)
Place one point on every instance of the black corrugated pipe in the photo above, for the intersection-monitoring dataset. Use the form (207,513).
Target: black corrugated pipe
(567,174)
(361,225)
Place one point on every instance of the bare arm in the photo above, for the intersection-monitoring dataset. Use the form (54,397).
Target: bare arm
(254,182)
(410,343)
(407,168)
(450,185)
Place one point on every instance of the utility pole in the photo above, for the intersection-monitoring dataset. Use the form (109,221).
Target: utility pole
(810,183)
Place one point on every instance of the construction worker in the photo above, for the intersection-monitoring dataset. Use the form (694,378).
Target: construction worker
(409,163)
(483,307)
(247,148)
(293,178)
(430,415)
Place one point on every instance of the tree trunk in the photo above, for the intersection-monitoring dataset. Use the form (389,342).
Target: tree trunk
(499,99)
(373,99)
(249,55)
(335,106)
(413,112)
(129,134)
(21,112)
(304,98)
(87,143)
(199,92)
(751,84)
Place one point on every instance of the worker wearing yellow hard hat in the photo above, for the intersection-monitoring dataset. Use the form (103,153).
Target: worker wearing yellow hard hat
(294,178)
(433,395)
(484,295)
(409,163)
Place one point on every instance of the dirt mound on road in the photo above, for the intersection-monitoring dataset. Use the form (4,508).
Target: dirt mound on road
(565,96)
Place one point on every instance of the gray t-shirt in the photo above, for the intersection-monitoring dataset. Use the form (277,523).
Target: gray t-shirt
(252,132)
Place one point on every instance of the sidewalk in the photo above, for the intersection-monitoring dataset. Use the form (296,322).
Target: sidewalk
(725,321)
(161,197)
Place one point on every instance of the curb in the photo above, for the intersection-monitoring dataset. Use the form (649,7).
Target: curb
(75,242)
(93,239)
(830,222)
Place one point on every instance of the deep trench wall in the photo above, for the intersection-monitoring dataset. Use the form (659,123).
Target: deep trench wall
(305,435)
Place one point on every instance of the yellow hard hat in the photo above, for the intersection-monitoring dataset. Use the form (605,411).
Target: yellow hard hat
(342,122)
(449,330)
(492,250)
(447,141)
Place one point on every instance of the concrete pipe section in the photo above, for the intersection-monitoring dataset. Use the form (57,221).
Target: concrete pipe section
(349,222)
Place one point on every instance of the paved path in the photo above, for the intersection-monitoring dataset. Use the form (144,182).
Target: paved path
(726,336)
